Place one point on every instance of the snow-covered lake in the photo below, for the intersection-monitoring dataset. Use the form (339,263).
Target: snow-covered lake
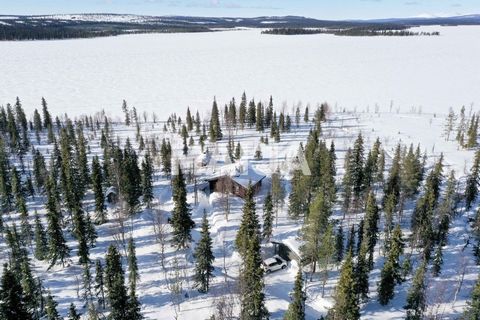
(167,72)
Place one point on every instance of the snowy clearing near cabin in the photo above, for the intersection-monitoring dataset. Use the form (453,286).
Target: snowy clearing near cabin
(160,72)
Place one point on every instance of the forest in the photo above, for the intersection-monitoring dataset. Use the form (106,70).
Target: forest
(73,189)
(355,32)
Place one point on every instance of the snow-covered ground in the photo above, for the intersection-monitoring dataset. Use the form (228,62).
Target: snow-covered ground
(342,128)
(160,72)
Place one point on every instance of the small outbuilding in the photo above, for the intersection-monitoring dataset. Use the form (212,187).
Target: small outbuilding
(111,195)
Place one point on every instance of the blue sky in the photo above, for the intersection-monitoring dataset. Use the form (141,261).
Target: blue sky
(325,9)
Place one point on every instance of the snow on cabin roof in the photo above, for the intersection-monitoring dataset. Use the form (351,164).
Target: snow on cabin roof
(249,176)
(238,174)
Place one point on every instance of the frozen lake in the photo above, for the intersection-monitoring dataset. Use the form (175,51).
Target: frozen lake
(168,72)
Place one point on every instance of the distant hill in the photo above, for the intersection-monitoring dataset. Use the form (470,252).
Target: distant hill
(67,26)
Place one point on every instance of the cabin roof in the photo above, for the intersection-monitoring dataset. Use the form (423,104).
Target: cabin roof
(239,175)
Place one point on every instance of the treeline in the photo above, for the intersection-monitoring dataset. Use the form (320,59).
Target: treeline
(68,30)
(358,32)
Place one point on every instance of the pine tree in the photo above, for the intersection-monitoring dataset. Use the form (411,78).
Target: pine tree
(134,306)
(472,311)
(147,183)
(472,133)
(249,226)
(437,261)
(391,272)
(471,188)
(238,151)
(99,284)
(251,114)
(97,181)
(267,218)
(115,285)
(87,284)
(362,271)
(189,120)
(242,112)
(416,302)
(80,233)
(296,308)
(339,248)
(57,247)
(450,123)
(346,301)
(37,124)
(126,112)
(215,132)
(5,180)
(370,228)
(51,309)
(133,275)
(72,313)
(313,229)
(204,258)
(252,297)
(356,168)
(130,186)
(29,287)
(181,221)
(326,253)
(41,244)
(12,301)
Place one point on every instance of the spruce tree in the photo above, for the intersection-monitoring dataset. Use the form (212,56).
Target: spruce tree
(134,306)
(313,229)
(51,309)
(471,188)
(80,233)
(58,250)
(339,246)
(99,284)
(249,226)
(391,273)
(130,186)
(29,286)
(133,275)
(267,218)
(370,228)
(215,132)
(72,313)
(346,301)
(12,301)
(204,258)
(181,220)
(472,312)
(115,285)
(242,112)
(416,300)
(147,183)
(97,184)
(296,308)
(326,254)
(252,297)
(87,293)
